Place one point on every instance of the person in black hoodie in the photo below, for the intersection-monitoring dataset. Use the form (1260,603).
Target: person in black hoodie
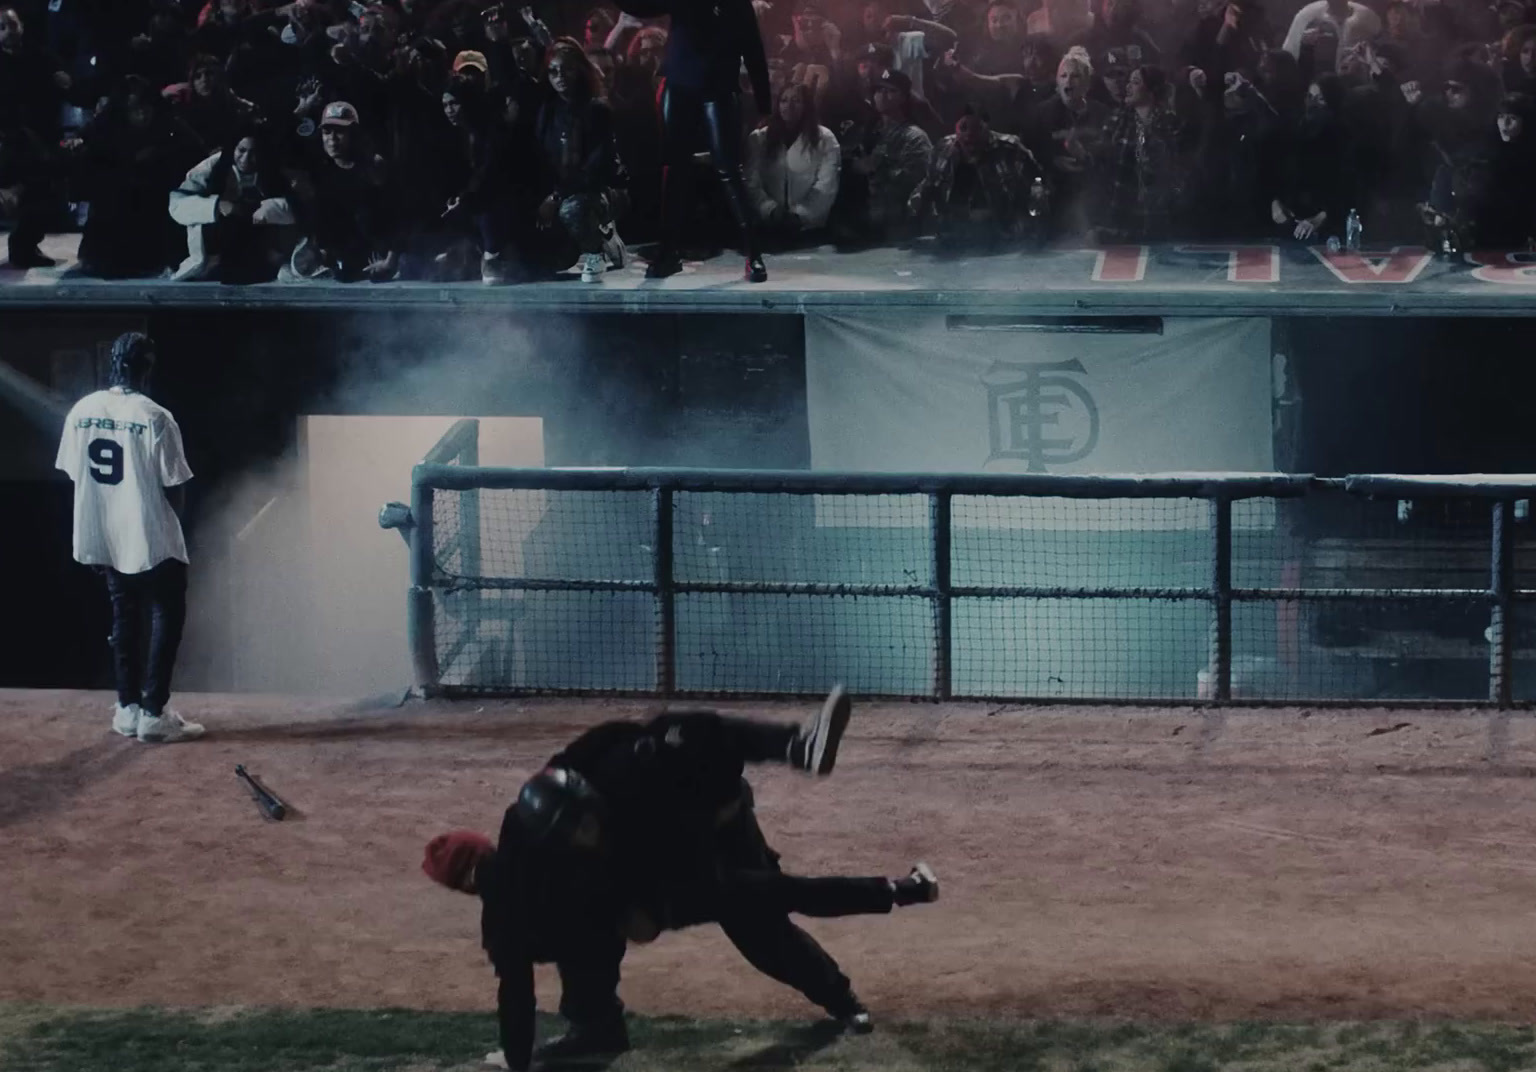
(350,217)
(131,156)
(636,828)
(1503,211)
(583,176)
(475,168)
(210,109)
(33,82)
(1314,191)
(706,46)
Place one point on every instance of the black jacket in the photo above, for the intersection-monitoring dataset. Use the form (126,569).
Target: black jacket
(577,149)
(664,804)
(707,44)
(535,910)
(28,96)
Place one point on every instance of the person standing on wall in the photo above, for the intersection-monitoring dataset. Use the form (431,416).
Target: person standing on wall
(123,452)
(707,44)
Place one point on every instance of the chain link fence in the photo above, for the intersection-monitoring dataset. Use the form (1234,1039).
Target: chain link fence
(1243,588)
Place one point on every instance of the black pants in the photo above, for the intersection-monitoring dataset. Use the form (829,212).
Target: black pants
(752,900)
(589,989)
(683,111)
(149,610)
(732,877)
(33,212)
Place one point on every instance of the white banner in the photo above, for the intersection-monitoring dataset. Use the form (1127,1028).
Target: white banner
(911,393)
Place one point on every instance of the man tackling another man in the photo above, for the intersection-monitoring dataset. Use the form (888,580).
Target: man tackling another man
(636,828)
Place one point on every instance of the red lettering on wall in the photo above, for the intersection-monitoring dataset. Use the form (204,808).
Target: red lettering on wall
(1245,264)
(1400,264)
(1512,269)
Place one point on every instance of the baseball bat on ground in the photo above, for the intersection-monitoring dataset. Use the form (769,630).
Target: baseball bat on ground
(270,804)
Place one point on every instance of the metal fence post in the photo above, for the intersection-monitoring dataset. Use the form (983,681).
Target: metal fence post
(666,621)
(1220,663)
(1500,624)
(469,506)
(939,531)
(420,625)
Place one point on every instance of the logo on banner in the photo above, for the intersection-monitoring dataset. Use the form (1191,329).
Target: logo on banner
(1040,414)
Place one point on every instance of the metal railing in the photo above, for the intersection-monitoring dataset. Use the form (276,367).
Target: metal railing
(1500,596)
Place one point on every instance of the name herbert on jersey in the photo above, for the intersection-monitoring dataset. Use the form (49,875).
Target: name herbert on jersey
(108,424)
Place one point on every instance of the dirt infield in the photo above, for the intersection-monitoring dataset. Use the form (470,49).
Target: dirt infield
(1126,862)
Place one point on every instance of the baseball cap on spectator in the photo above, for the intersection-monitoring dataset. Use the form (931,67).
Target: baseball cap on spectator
(896,80)
(471,58)
(881,53)
(338,114)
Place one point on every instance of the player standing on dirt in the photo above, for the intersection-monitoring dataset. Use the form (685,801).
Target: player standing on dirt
(123,451)
(641,827)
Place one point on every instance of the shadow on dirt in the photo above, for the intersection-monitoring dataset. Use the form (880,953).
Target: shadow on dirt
(35,789)
(794,1048)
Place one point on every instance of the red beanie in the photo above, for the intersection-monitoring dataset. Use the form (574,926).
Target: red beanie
(451,857)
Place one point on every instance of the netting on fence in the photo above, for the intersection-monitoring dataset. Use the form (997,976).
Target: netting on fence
(1333,595)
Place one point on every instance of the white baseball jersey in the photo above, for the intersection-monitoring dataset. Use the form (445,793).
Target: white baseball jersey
(123,450)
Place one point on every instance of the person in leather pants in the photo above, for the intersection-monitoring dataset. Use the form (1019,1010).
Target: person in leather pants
(706,46)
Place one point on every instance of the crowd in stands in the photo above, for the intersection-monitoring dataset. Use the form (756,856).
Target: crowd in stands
(248,140)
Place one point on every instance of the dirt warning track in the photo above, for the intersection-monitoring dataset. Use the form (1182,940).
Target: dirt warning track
(1127,862)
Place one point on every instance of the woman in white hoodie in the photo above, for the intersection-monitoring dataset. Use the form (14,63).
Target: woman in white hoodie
(235,207)
(792,167)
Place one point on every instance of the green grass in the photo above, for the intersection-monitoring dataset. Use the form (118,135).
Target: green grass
(37,1039)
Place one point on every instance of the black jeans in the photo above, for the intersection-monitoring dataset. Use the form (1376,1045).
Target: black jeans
(751,899)
(589,990)
(732,878)
(683,111)
(149,610)
(33,211)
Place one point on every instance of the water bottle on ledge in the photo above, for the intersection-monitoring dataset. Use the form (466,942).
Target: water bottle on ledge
(1352,231)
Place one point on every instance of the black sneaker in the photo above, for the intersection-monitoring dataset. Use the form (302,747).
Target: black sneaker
(665,263)
(919,887)
(31,258)
(814,749)
(584,1044)
(757,271)
(854,1017)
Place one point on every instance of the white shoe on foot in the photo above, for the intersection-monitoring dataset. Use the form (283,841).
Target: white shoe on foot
(921,886)
(493,269)
(125,720)
(815,747)
(496,1059)
(593,265)
(168,727)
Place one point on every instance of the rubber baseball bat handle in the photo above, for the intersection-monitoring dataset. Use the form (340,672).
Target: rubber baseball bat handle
(270,804)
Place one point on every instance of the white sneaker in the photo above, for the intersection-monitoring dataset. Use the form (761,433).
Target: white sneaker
(168,727)
(614,250)
(593,265)
(493,270)
(125,720)
(496,1059)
